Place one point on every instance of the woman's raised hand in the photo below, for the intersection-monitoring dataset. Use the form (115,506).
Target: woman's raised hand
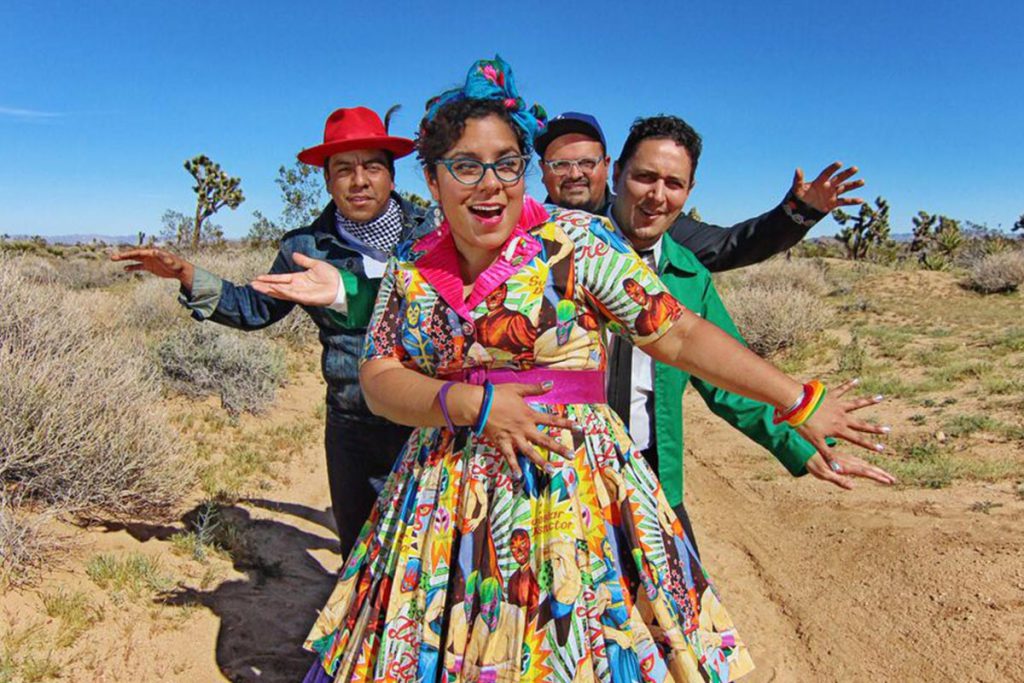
(512,426)
(317,285)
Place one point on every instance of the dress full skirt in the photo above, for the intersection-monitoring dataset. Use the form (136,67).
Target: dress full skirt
(583,573)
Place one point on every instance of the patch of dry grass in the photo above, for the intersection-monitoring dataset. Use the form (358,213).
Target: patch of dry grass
(133,575)
(26,655)
(921,460)
(74,611)
(82,430)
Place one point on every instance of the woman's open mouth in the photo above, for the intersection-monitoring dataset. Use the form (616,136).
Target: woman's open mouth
(488,214)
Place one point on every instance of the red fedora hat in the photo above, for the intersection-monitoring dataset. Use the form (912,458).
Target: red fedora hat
(355,128)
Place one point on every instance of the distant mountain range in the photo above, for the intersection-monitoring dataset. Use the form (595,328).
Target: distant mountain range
(900,237)
(84,238)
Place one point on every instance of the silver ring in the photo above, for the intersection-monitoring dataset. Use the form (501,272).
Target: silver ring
(836,467)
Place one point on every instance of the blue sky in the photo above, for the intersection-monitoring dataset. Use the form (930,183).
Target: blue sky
(101,102)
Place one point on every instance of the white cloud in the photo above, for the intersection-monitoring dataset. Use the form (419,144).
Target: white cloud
(28,114)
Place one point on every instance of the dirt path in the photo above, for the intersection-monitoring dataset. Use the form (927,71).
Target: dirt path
(873,584)
(869,585)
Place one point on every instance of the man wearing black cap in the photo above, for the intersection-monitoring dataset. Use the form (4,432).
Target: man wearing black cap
(355,233)
(575,165)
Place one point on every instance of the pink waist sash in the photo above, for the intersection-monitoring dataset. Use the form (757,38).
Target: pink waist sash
(570,386)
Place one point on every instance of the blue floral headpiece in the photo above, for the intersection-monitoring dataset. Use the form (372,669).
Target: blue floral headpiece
(492,79)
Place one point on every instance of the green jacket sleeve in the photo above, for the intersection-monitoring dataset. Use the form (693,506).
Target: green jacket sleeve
(750,417)
(360,294)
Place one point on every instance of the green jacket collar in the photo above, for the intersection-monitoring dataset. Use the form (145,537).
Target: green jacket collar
(678,258)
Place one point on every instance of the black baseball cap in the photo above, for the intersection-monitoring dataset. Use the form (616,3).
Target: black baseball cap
(569,122)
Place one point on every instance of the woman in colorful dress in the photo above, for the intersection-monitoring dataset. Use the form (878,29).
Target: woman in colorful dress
(519,537)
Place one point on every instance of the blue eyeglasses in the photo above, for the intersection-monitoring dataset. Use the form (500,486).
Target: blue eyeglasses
(470,171)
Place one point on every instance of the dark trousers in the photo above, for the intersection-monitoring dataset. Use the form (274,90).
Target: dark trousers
(651,456)
(359,455)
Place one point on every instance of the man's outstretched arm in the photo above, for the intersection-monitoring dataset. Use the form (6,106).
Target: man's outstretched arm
(754,240)
(207,295)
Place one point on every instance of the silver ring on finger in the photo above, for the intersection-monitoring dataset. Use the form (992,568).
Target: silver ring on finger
(836,467)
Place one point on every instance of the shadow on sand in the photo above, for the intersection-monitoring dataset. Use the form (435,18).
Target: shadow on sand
(265,617)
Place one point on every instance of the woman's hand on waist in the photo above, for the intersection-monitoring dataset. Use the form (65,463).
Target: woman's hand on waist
(513,426)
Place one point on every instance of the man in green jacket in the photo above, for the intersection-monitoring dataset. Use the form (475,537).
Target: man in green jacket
(653,178)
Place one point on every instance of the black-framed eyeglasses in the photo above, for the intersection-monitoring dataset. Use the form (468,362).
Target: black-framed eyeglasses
(470,171)
(586,165)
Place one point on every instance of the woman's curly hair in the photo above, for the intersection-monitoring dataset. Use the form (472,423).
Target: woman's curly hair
(438,135)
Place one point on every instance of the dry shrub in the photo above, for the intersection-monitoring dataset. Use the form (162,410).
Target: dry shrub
(208,359)
(296,329)
(23,546)
(152,305)
(778,304)
(81,429)
(776,317)
(36,269)
(237,264)
(89,273)
(809,275)
(80,271)
(999,272)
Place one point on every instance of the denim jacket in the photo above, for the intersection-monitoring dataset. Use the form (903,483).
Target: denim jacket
(242,307)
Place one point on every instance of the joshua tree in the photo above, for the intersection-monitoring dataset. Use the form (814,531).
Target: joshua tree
(923,224)
(937,240)
(415,199)
(214,190)
(263,231)
(869,229)
(302,191)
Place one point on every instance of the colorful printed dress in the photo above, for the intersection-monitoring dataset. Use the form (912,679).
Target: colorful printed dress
(463,573)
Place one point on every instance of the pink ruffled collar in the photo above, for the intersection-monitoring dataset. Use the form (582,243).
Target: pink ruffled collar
(439,263)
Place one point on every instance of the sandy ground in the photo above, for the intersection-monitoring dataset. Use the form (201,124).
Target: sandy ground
(874,584)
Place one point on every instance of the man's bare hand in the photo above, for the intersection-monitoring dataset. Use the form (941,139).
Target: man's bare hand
(317,285)
(825,193)
(158,262)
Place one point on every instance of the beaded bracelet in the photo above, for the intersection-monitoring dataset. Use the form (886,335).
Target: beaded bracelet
(442,397)
(485,408)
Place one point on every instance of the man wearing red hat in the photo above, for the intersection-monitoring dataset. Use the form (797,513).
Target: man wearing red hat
(355,233)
